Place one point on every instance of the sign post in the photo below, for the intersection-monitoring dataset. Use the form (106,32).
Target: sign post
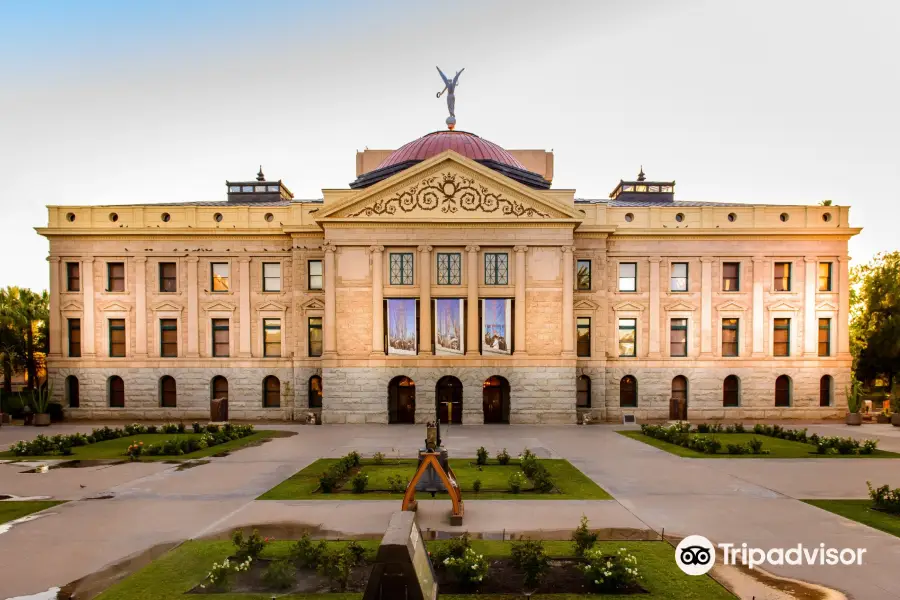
(402,566)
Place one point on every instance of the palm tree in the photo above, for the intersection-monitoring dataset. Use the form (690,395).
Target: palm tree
(26,313)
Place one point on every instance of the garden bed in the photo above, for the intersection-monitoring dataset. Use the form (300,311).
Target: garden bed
(863,512)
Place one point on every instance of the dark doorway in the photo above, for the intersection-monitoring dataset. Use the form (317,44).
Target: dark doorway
(678,402)
(496,400)
(218,404)
(402,400)
(449,395)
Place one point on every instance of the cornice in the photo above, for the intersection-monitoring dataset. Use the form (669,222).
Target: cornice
(707,235)
(476,224)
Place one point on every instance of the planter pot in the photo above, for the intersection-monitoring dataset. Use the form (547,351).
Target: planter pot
(42,420)
(895,419)
(854,419)
(882,418)
(4,418)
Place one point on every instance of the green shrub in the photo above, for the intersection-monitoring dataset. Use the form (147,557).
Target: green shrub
(470,569)
(337,565)
(482,456)
(328,482)
(354,458)
(529,556)
(220,574)
(378,458)
(356,551)
(151,429)
(516,481)
(397,483)
(884,498)
(739,428)
(868,447)
(249,547)
(583,537)
(529,463)
(476,486)
(181,428)
(503,457)
(359,483)
(611,573)
(542,480)
(736,449)
(755,445)
(280,575)
(197,427)
(307,553)
(453,548)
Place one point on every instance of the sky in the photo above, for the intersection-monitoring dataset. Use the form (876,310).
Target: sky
(776,102)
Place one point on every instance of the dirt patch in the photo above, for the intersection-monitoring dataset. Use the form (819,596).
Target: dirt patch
(790,587)
(183,466)
(76,464)
(91,585)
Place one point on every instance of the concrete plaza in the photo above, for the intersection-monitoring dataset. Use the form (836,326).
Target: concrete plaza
(122,510)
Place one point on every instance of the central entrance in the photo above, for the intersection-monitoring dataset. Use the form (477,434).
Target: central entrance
(449,395)
(496,400)
(402,400)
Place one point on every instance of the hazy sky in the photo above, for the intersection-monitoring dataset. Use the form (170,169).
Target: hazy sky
(756,101)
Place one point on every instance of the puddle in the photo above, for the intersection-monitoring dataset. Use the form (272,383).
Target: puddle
(4,527)
(757,583)
(92,585)
(183,466)
(76,464)
(100,497)
(50,594)
(23,498)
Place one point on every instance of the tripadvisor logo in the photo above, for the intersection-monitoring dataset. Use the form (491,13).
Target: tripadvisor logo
(695,555)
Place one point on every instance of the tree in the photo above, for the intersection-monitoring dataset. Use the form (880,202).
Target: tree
(23,321)
(875,317)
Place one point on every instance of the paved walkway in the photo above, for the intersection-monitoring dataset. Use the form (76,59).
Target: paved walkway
(728,500)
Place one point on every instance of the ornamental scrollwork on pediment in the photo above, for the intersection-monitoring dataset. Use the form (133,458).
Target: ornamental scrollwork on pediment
(449,193)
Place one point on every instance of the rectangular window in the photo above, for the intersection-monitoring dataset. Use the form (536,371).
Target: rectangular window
(219,274)
(168,338)
(583,275)
(730,337)
(449,268)
(824,337)
(782,342)
(627,277)
(271,277)
(678,337)
(73,277)
(401,264)
(168,277)
(782,277)
(74,338)
(271,338)
(627,337)
(115,277)
(117,338)
(316,279)
(496,268)
(220,338)
(314,334)
(731,277)
(584,336)
(825,277)
(679,277)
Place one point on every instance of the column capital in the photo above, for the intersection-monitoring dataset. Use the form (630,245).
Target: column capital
(844,259)
(374,249)
(243,259)
(53,259)
(191,259)
(811,259)
(758,259)
(568,249)
(655,259)
(425,249)
(87,259)
(472,249)
(706,259)
(329,247)
(518,249)
(140,259)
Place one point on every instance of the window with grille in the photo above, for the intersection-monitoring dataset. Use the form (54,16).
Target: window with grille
(824,337)
(316,279)
(73,277)
(168,277)
(115,277)
(782,277)
(583,392)
(75,338)
(678,344)
(168,397)
(401,264)
(496,268)
(782,343)
(627,335)
(584,336)
(220,340)
(314,335)
(731,391)
(271,277)
(449,268)
(220,274)
(272,337)
(679,277)
(271,392)
(731,277)
(117,338)
(825,277)
(168,338)
(730,335)
(583,275)
(627,277)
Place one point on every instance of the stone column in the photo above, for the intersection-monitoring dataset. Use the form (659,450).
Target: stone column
(55,332)
(377,299)
(425,300)
(140,306)
(519,342)
(843,317)
(473,336)
(244,330)
(88,347)
(810,325)
(330,301)
(568,300)
(706,332)
(654,307)
(193,308)
(759,325)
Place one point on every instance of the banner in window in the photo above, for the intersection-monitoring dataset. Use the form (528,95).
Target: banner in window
(401,326)
(495,329)
(449,335)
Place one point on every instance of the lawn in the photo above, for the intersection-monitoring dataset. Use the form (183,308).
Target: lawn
(572,483)
(861,511)
(169,577)
(777,447)
(10,510)
(116,449)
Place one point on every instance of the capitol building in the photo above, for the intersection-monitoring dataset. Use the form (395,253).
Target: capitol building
(451,275)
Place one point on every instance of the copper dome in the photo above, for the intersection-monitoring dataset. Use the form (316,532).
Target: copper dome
(467,144)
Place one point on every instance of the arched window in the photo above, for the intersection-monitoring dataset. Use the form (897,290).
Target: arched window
(72,391)
(583,392)
(219,388)
(628,392)
(116,392)
(167,392)
(271,392)
(731,391)
(826,390)
(783,391)
(315,392)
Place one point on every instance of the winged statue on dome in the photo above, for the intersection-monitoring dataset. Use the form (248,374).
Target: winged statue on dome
(450,88)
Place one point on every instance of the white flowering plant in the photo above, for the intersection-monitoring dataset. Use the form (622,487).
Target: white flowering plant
(607,573)
(470,569)
(219,576)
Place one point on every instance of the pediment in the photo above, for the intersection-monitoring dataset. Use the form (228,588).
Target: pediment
(166,306)
(731,306)
(449,186)
(114,306)
(826,306)
(219,306)
(272,306)
(680,306)
(628,307)
(72,305)
(313,304)
(585,304)
(782,306)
